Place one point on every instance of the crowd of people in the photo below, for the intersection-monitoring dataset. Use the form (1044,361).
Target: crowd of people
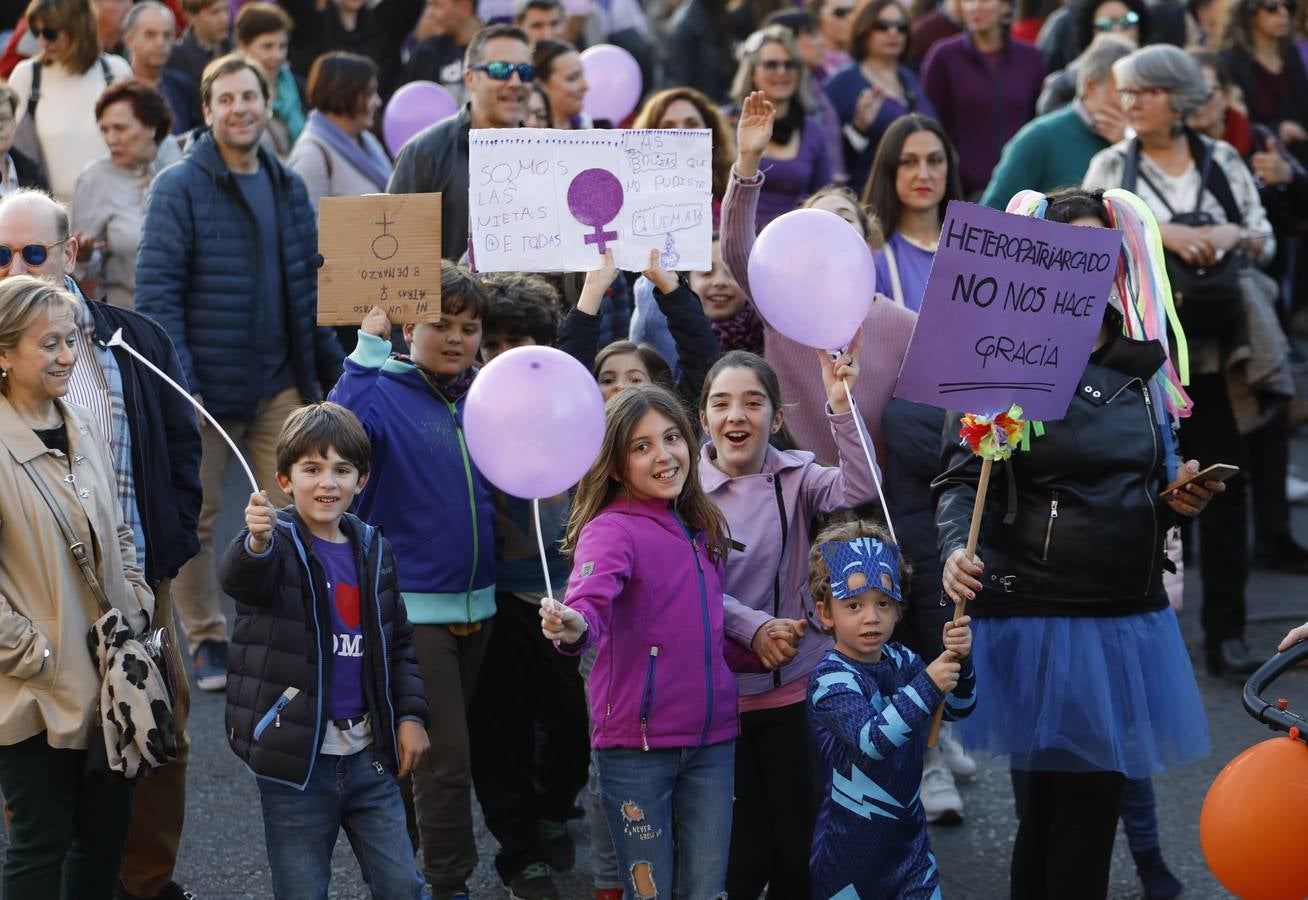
(757,613)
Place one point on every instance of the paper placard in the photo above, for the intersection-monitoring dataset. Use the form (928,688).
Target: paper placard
(379,250)
(1010,313)
(543,200)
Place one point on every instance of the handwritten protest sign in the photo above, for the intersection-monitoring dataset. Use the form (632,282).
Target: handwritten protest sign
(1010,313)
(379,250)
(543,200)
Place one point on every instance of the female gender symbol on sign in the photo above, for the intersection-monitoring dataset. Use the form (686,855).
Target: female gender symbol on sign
(594,199)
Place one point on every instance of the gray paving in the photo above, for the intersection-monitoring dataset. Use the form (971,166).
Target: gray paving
(222,853)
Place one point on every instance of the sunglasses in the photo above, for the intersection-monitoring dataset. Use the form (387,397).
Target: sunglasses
(1120,23)
(1273,6)
(890,25)
(50,34)
(33,254)
(840,12)
(780,65)
(503,71)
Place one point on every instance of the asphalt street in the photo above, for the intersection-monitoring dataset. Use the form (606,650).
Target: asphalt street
(222,852)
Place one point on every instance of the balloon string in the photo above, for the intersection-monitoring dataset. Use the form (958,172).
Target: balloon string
(117,341)
(871,464)
(549,600)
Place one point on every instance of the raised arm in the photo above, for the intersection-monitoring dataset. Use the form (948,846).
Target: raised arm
(740,203)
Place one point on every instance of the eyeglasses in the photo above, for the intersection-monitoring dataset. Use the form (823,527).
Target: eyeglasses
(1133,94)
(1117,23)
(780,65)
(890,25)
(33,254)
(503,71)
(840,12)
(50,34)
(1273,6)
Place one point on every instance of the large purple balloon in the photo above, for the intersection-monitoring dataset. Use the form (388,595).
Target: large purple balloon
(812,277)
(534,421)
(614,82)
(412,108)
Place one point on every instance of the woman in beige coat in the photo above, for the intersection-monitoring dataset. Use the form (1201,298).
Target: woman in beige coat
(68,829)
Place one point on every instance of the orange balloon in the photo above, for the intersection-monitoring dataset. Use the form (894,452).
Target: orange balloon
(1252,827)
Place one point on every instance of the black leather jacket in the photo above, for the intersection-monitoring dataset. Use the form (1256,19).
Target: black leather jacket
(1073,526)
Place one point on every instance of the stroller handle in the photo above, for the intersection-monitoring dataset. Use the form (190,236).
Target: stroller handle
(1261,709)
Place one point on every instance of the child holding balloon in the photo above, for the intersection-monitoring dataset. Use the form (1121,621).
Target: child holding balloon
(437,512)
(769,497)
(648,549)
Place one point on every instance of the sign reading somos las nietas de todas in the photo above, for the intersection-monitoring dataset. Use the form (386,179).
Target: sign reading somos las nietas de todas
(544,200)
(1010,313)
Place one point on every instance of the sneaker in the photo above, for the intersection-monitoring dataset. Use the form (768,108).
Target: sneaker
(608,893)
(533,883)
(211,666)
(560,852)
(1157,880)
(1296,489)
(940,798)
(953,754)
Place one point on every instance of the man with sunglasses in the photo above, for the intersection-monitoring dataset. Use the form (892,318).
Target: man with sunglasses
(155,446)
(497,75)
(225,266)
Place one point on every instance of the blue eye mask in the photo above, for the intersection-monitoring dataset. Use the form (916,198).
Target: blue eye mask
(861,565)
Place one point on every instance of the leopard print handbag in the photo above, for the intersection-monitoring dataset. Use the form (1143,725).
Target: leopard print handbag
(135,730)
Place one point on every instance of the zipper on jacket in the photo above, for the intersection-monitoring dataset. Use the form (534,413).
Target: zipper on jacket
(708,645)
(274,714)
(776,579)
(472,505)
(317,646)
(381,640)
(647,698)
(1049,529)
(1149,495)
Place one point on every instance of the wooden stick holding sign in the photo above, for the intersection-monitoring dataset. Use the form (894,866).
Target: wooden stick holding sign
(379,250)
(991,437)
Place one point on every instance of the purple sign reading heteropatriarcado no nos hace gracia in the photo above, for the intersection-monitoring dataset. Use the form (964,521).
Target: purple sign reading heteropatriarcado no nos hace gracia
(1010,313)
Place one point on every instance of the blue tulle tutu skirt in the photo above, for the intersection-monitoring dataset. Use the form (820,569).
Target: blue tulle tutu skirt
(1086,694)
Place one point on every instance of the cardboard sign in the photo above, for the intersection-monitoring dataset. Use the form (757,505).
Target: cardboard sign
(543,200)
(379,250)
(1010,313)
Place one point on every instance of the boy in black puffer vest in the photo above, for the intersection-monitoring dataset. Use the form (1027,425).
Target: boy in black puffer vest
(325,702)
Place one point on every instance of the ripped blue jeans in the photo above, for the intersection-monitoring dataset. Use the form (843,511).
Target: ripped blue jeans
(669,813)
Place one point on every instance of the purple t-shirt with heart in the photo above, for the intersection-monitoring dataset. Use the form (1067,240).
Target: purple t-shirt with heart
(345,693)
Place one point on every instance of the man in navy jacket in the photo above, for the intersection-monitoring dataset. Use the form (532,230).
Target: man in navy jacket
(227,265)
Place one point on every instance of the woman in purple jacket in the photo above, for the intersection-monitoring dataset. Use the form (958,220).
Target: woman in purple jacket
(769,497)
(984,86)
(648,549)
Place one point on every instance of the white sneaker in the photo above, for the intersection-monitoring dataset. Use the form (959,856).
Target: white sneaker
(951,751)
(941,802)
(1296,489)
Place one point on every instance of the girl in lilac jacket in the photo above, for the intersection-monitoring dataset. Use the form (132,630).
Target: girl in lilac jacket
(769,497)
(648,550)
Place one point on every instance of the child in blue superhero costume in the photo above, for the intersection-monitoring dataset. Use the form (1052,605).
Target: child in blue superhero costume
(871,703)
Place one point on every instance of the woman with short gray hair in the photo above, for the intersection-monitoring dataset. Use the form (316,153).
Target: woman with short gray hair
(1211,219)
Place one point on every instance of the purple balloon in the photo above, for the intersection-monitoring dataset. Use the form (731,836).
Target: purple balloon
(614,82)
(412,108)
(534,421)
(812,277)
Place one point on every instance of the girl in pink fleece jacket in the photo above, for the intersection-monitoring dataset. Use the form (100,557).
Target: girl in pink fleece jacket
(648,550)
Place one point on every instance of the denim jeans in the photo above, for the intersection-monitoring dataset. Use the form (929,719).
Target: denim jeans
(669,813)
(300,829)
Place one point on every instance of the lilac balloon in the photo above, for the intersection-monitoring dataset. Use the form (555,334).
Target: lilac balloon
(614,82)
(534,421)
(412,108)
(812,277)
